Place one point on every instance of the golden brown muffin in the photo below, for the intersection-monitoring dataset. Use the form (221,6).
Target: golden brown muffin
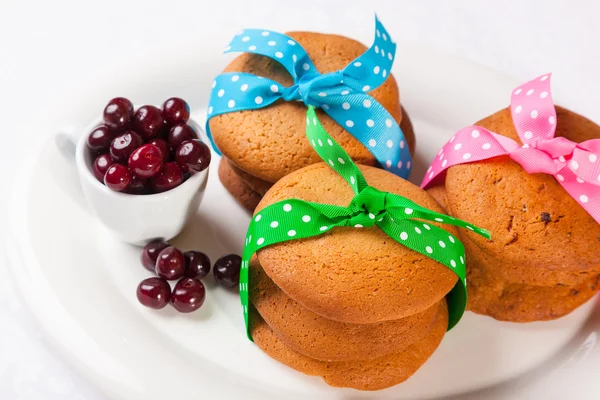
(240,191)
(348,274)
(541,237)
(375,374)
(270,142)
(322,339)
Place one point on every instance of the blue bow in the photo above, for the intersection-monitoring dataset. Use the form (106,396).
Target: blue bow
(341,94)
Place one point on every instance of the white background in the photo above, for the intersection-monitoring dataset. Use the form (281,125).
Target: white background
(48,49)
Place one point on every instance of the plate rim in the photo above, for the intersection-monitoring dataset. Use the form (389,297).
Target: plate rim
(22,252)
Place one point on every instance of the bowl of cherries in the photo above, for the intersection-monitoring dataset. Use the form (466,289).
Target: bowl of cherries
(143,169)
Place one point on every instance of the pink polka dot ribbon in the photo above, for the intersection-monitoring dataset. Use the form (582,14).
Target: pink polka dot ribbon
(574,165)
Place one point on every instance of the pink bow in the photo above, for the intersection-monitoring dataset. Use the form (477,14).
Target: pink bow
(574,165)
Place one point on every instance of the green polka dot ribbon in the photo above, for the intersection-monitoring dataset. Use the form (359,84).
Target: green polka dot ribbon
(400,218)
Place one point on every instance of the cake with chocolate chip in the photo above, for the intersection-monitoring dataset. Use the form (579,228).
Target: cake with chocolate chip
(544,257)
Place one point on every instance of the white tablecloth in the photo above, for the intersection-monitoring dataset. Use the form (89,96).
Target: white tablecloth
(48,49)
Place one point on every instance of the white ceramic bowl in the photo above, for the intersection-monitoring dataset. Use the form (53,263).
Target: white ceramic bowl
(137,219)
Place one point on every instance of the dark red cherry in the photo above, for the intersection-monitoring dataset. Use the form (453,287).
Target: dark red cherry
(145,161)
(170,263)
(118,113)
(101,164)
(197,264)
(193,156)
(138,186)
(163,146)
(188,295)
(123,145)
(167,178)
(99,139)
(117,177)
(227,270)
(175,111)
(148,122)
(179,134)
(150,253)
(154,293)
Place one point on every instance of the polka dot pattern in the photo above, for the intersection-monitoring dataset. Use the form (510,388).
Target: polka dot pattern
(355,112)
(369,67)
(533,113)
(347,103)
(398,217)
(533,110)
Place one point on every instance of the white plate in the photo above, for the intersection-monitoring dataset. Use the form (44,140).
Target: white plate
(80,282)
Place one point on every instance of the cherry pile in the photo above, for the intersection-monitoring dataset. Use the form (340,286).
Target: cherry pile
(187,268)
(146,151)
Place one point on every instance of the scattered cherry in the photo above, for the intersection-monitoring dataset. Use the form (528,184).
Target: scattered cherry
(150,253)
(188,295)
(227,270)
(148,122)
(99,139)
(101,164)
(138,186)
(145,161)
(118,113)
(179,134)
(163,146)
(170,263)
(175,111)
(117,177)
(123,145)
(193,156)
(197,264)
(169,177)
(154,293)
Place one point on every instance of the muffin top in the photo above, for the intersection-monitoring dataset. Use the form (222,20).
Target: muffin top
(270,142)
(355,275)
(533,220)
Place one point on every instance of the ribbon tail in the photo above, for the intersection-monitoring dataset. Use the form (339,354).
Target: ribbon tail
(439,245)
(584,193)
(332,153)
(532,110)
(370,123)
(277,46)
(374,66)
(403,208)
(243,287)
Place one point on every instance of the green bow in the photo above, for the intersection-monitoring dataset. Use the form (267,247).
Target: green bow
(400,218)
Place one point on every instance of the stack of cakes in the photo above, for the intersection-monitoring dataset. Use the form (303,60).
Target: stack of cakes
(261,146)
(544,259)
(352,306)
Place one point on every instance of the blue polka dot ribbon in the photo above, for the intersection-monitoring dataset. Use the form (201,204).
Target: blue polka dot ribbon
(343,94)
